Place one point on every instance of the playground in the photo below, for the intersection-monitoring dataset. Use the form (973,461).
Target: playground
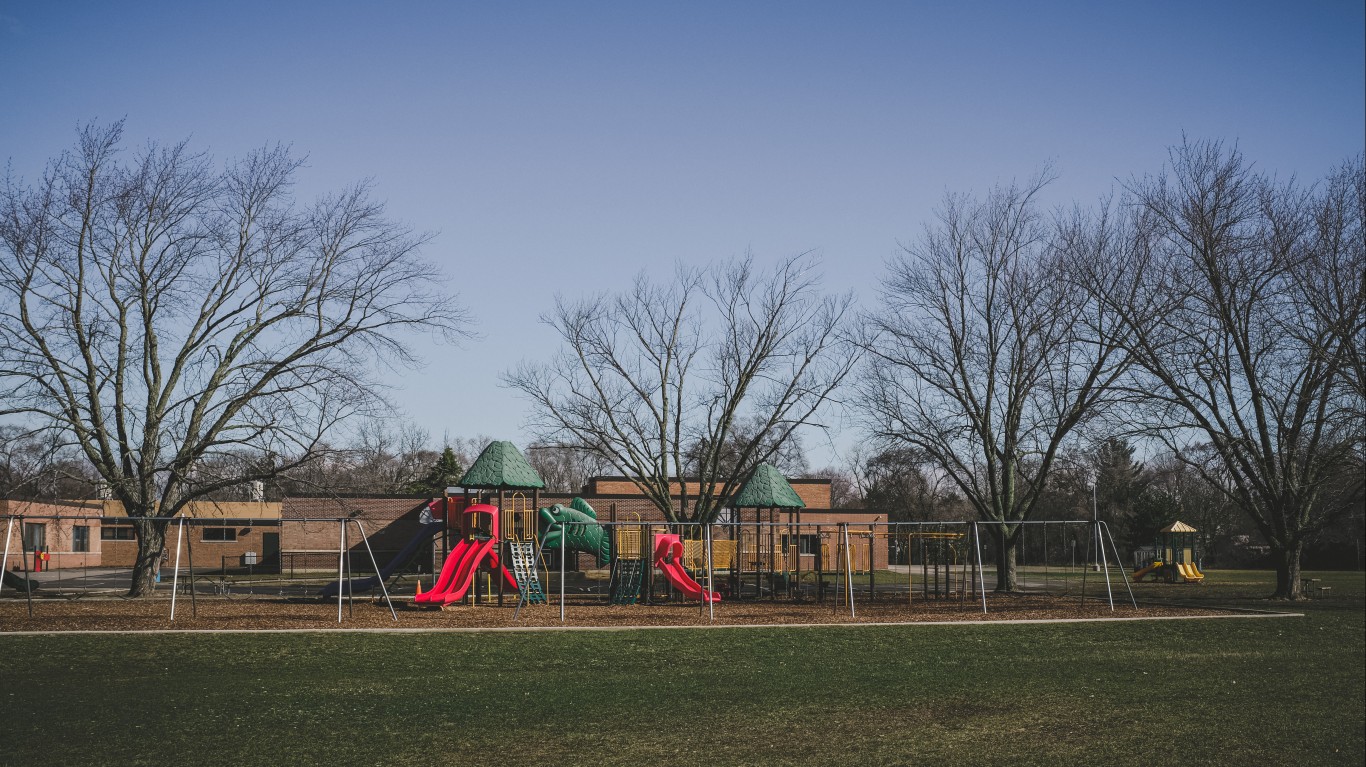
(524,567)
(502,560)
(764,639)
(1237,690)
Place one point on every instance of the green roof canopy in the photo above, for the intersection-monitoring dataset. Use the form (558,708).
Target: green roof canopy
(767,488)
(502,465)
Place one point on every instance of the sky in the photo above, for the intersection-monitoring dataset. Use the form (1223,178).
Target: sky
(561,148)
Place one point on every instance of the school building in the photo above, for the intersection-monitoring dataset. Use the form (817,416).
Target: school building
(299,534)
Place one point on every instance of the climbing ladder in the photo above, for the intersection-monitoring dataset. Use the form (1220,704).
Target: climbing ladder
(524,570)
(629,573)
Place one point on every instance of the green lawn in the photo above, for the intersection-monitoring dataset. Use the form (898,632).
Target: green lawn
(1229,691)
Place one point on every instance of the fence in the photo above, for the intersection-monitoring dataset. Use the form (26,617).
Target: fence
(839,564)
(74,556)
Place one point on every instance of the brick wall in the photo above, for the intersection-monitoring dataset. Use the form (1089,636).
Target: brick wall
(389,523)
(815,493)
(59,522)
(222,534)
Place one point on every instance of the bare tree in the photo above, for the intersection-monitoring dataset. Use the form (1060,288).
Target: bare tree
(467,449)
(381,456)
(906,484)
(844,493)
(1247,333)
(35,463)
(986,357)
(784,449)
(565,469)
(390,457)
(161,312)
(660,379)
(1175,491)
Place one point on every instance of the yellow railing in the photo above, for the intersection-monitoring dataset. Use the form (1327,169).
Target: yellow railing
(860,555)
(517,520)
(626,541)
(723,554)
(695,555)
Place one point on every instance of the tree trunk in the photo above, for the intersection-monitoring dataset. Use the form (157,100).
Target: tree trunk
(1005,560)
(1289,585)
(151,535)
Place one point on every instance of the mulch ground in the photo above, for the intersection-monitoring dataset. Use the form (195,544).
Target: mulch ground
(262,613)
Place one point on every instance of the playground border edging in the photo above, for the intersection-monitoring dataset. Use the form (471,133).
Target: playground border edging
(705,627)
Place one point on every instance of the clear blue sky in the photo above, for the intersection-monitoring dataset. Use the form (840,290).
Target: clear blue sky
(565,146)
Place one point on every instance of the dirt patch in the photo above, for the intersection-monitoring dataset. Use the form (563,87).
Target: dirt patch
(261,613)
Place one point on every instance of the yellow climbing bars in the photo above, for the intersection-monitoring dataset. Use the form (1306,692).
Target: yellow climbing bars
(518,520)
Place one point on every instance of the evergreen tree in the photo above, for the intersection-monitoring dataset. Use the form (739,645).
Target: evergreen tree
(1120,480)
(444,473)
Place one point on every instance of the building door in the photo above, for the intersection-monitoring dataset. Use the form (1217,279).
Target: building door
(270,549)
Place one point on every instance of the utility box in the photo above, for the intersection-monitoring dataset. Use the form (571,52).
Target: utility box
(249,558)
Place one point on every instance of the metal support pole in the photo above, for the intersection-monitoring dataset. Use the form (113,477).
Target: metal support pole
(1045,555)
(563,534)
(848,570)
(820,564)
(1127,584)
(711,589)
(175,575)
(28,584)
(4,560)
(341,566)
(382,588)
(963,579)
(910,573)
(1105,566)
(350,577)
(189,556)
(1085,566)
(839,571)
(981,576)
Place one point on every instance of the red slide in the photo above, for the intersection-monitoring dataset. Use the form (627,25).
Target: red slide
(443,581)
(458,572)
(464,560)
(668,558)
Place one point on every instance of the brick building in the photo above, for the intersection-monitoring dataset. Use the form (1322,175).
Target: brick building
(304,533)
(69,531)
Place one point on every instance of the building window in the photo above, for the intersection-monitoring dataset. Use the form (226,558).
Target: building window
(807,543)
(35,536)
(219,534)
(80,538)
(117,533)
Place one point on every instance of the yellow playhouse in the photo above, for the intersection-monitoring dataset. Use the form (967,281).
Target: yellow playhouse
(1174,556)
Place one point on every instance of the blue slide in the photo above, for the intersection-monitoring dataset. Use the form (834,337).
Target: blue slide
(361,585)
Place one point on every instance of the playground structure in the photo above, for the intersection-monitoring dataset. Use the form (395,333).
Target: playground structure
(480,545)
(1172,557)
(512,530)
(572,558)
(494,539)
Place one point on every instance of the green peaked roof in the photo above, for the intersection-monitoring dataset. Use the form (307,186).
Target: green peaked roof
(501,465)
(767,488)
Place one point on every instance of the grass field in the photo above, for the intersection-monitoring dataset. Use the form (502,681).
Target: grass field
(1193,692)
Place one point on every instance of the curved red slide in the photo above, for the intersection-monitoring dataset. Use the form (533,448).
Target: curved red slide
(668,558)
(463,562)
(458,572)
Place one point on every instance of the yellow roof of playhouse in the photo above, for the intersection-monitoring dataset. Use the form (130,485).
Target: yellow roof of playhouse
(1177,527)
